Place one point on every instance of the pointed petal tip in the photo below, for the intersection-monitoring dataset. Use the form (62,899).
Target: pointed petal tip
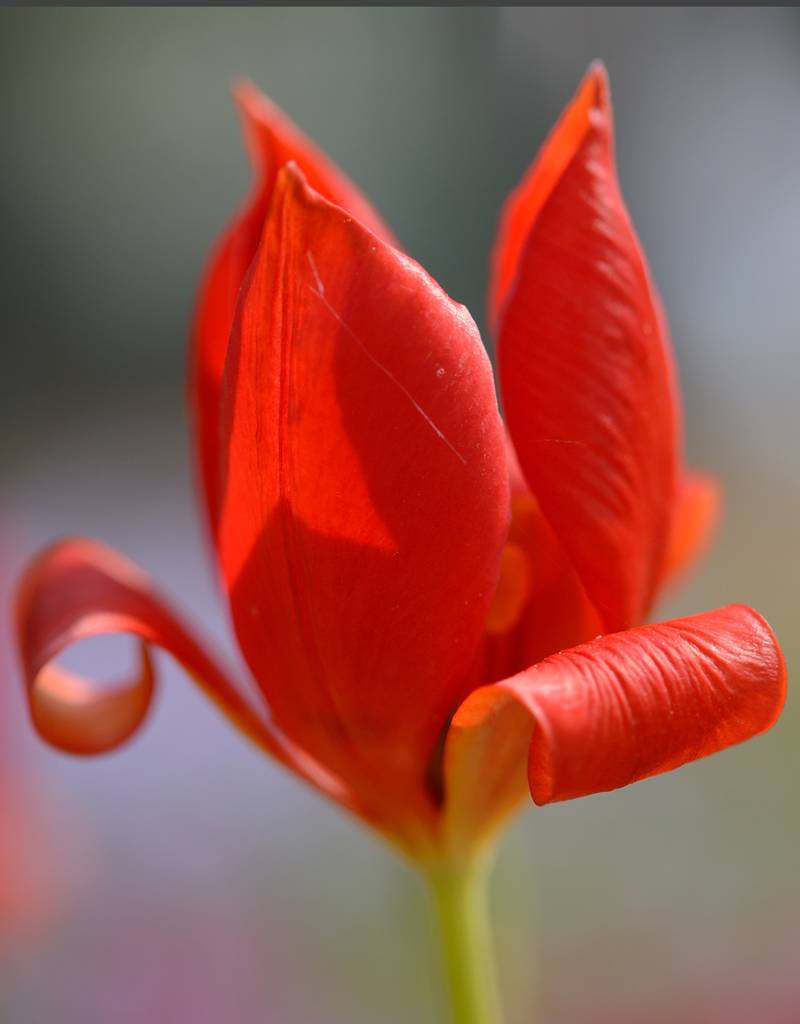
(561,231)
(256,112)
(292,179)
(597,76)
(593,97)
(254,106)
(590,107)
(243,90)
(270,139)
(292,189)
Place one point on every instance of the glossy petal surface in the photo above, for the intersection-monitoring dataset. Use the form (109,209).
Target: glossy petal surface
(367,495)
(623,707)
(525,203)
(272,140)
(585,368)
(79,589)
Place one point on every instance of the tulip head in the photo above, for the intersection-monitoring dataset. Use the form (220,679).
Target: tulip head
(440,608)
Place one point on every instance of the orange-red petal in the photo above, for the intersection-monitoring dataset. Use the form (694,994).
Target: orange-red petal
(523,206)
(78,589)
(367,494)
(272,140)
(585,368)
(697,513)
(618,709)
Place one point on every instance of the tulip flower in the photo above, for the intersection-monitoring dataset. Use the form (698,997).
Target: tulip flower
(440,610)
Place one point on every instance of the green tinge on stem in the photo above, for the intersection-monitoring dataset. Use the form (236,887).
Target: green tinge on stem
(460,897)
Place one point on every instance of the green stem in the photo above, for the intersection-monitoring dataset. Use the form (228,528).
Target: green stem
(460,897)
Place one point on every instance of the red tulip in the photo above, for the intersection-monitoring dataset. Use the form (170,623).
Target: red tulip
(431,612)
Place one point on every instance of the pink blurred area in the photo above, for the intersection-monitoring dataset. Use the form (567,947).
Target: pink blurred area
(39,859)
(185,878)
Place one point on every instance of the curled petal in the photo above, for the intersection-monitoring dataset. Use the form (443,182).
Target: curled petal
(620,708)
(367,494)
(272,140)
(585,368)
(78,589)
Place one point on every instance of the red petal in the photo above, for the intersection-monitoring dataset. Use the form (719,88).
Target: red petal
(696,516)
(585,369)
(78,589)
(558,614)
(525,203)
(627,705)
(540,606)
(367,494)
(272,140)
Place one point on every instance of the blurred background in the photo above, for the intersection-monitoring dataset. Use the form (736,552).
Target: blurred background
(192,880)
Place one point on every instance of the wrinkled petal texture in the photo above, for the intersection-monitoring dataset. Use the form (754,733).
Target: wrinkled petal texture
(585,368)
(272,140)
(367,496)
(625,706)
(78,589)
